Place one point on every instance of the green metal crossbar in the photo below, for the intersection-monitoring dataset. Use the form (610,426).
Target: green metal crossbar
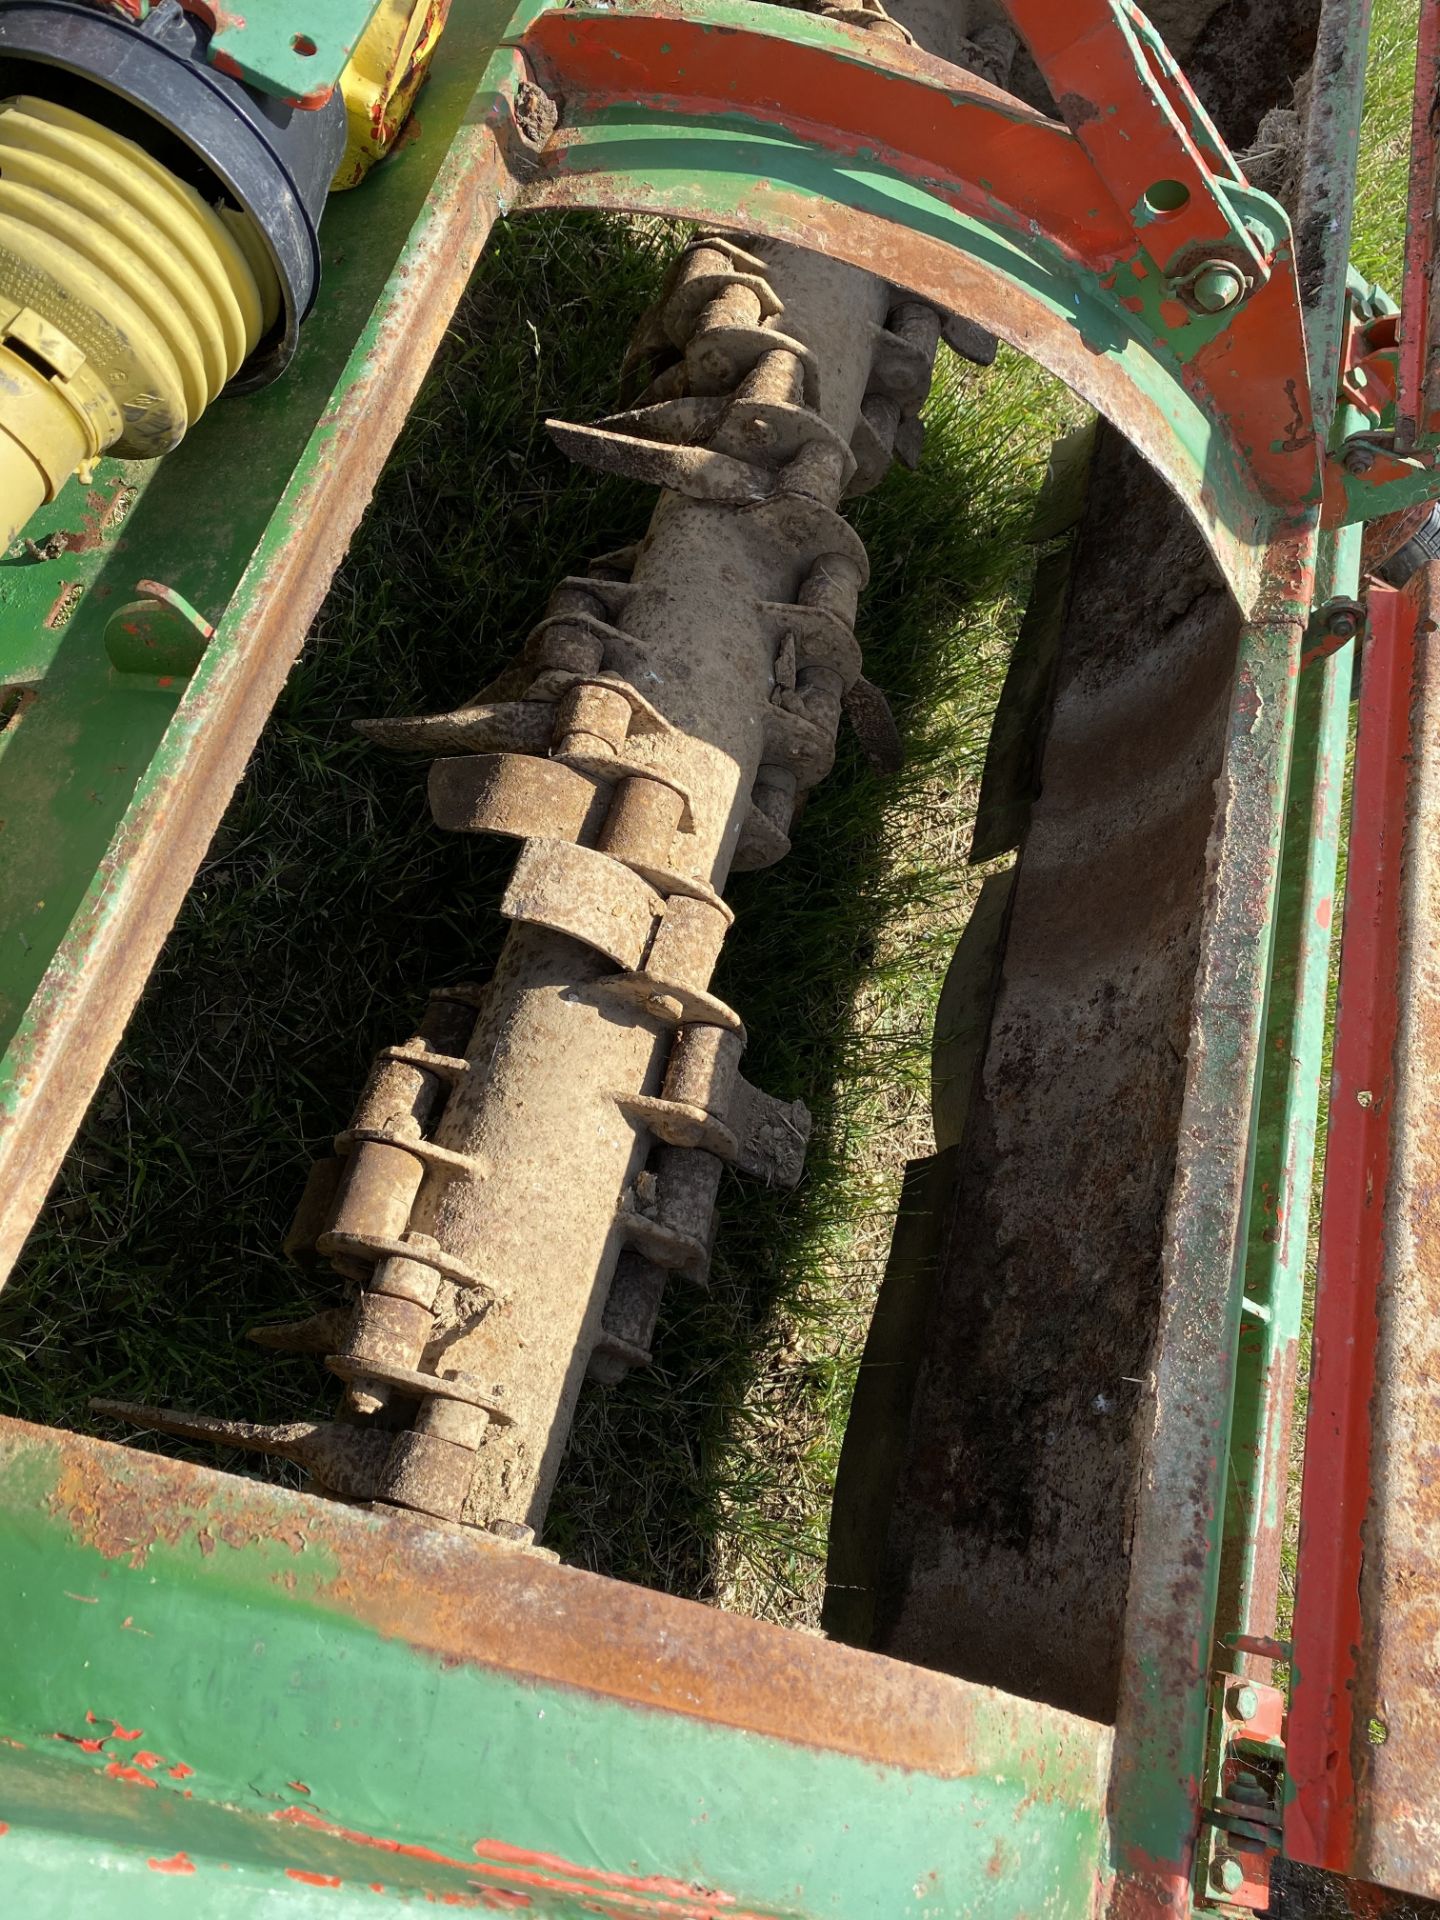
(234,1694)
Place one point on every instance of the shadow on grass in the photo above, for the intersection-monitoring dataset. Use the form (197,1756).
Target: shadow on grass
(328,905)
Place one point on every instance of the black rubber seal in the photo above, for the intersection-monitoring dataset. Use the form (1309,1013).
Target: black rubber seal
(152,84)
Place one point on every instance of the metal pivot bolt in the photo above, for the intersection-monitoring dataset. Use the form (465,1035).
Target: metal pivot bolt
(1226,1873)
(1359,458)
(1214,287)
(1244,1702)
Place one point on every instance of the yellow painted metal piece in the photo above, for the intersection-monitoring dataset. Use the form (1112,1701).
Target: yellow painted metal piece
(385,73)
(126,302)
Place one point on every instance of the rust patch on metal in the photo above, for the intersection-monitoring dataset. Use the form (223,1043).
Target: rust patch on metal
(177,1863)
(547,1873)
(1076,111)
(461,1596)
(63,607)
(1395,1744)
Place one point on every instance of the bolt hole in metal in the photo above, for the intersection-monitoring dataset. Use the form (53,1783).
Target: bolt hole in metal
(1167,197)
(14,701)
(303,45)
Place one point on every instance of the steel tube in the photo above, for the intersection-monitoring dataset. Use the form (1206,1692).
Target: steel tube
(559,1167)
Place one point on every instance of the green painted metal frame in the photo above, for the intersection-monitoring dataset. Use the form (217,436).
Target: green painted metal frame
(233,1696)
(119,779)
(1277,1244)
(296,53)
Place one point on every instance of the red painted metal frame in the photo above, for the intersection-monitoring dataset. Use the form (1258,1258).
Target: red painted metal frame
(985,153)
(988,153)
(1152,129)
(1136,116)
(1412,407)
(1335,1494)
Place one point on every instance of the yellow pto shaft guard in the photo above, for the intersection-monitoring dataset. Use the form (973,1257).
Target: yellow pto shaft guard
(126,302)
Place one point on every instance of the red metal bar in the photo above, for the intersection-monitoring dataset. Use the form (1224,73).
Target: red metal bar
(1336,1489)
(1164,162)
(1134,113)
(983,150)
(1411,406)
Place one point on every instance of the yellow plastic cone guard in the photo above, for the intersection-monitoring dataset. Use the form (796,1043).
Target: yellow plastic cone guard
(126,302)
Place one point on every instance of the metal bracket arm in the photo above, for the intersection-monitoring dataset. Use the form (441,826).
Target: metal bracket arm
(769,120)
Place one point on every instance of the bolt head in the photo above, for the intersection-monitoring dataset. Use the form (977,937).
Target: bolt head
(1244,1702)
(1216,287)
(1341,619)
(1226,1873)
(1359,459)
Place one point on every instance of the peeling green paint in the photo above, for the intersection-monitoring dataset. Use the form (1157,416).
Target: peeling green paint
(197,1691)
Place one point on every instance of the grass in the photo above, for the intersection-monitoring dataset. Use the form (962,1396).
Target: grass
(1378,237)
(328,905)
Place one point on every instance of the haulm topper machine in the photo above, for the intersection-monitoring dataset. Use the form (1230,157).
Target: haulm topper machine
(1054,1679)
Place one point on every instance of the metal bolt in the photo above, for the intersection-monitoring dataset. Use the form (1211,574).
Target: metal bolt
(1216,286)
(1226,1873)
(1339,620)
(1244,1702)
(1359,458)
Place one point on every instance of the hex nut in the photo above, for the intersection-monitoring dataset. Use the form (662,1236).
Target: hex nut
(1244,1702)
(1226,1873)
